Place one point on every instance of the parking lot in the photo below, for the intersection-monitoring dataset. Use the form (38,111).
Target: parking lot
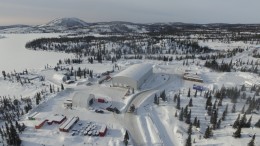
(85,129)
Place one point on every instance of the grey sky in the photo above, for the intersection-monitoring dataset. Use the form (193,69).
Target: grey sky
(143,11)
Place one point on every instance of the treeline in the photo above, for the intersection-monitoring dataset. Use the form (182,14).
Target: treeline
(120,45)
(224,67)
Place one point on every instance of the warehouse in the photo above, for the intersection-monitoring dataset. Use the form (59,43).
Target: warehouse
(134,76)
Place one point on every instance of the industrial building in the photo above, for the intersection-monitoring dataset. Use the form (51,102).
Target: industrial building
(134,76)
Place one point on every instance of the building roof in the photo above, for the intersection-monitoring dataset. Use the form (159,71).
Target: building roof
(135,72)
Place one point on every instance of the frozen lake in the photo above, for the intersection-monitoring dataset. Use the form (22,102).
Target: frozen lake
(14,55)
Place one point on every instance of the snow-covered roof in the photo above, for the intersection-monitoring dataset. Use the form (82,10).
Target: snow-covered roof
(136,71)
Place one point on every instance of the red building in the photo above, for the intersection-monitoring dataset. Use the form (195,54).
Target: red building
(103,131)
(40,124)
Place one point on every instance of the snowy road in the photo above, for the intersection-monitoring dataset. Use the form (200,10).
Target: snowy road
(137,124)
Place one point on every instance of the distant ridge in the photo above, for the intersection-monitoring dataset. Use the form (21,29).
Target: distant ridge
(65,22)
(76,25)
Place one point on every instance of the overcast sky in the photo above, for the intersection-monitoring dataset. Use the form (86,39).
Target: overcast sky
(143,11)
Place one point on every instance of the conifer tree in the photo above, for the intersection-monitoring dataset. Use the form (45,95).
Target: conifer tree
(198,124)
(50,89)
(176,114)
(195,121)
(190,129)
(237,133)
(207,133)
(236,123)
(195,95)
(188,141)
(257,124)
(224,115)
(214,105)
(252,142)
(248,124)
(175,97)
(243,110)
(189,93)
(243,87)
(181,115)
(62,87)
(178,102)
(126,135)
(242,121)
(233,108)
(190,103)
(208,102)
(226,109)
(185,112)
(209,110)
(163,95)
(218,124)
(155,99)
(188,117)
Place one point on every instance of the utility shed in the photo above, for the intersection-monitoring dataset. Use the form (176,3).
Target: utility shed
(134,76)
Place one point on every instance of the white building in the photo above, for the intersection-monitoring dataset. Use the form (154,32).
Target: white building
(83,100)
(134,76)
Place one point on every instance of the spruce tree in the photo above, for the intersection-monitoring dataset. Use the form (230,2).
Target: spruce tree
(188,141)
(208,102)
(236,123)
(187,121)
(233,108)
(195,95)
(50,89)
(181,115)
(207,133)
(243,110)
(190,103)
(62,87)
(190,129)
(209,110)
(198,124)
(155,99)
(243,88)
(126,135)
(195,121)
(218,124)
(175,97)
(248,124)
(237,133)
(257,124)
(226,109)
(163,95)
(189,93)
(224,115)
(242,121)
(178,102)
(252,142)
(185,112)
(220,102)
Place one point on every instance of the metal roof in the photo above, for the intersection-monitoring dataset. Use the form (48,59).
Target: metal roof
(135,72)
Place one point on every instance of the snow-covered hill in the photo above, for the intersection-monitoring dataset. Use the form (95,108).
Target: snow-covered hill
(65,22)
(76,25)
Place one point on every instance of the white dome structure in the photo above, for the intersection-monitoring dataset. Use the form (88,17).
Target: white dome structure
(82,100)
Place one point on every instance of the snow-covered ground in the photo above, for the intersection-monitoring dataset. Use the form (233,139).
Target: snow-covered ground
(217,45)
(151,124)
(14,56)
